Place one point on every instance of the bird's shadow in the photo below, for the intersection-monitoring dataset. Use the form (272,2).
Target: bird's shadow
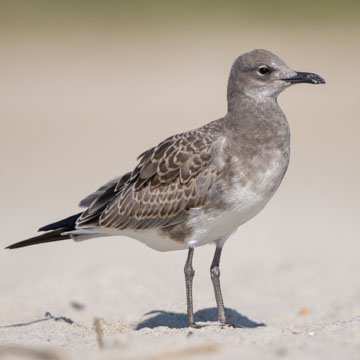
(178,320)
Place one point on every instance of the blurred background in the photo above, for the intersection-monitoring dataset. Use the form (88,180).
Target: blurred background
(86,86)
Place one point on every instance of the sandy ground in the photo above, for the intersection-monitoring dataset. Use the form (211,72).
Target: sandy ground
(77,110)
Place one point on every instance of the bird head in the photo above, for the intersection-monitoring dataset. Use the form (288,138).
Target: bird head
(260,74)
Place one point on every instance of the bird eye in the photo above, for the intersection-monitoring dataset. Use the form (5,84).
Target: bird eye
(263,70)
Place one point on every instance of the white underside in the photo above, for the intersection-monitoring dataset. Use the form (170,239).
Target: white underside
(208,228)
(208,225)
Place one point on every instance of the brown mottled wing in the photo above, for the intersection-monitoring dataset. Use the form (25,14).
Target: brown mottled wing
(111,185)
(97,201)
(170,179)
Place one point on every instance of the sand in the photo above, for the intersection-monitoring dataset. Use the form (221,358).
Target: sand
(80,109)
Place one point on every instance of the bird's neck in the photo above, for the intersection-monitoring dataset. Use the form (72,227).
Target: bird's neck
(238,103)
(261,117)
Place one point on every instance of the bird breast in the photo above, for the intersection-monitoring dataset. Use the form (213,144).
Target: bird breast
(242,191)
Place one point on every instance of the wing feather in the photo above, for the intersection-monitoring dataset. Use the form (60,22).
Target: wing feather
(169,179)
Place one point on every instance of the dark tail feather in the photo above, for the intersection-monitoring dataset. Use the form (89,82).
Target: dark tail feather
(58,228)
(68,224)
(44,238)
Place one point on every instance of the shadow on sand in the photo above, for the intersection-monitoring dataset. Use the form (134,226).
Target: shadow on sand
(178,320)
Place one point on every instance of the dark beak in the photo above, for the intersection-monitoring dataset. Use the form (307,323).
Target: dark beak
(305,77)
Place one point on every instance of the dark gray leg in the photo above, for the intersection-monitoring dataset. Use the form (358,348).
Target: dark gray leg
(189,275)
(215,277)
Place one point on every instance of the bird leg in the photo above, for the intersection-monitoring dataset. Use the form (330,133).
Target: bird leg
(189,275)
(215,277)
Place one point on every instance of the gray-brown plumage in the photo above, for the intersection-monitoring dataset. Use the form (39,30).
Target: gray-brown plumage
(197,187)
(170,179)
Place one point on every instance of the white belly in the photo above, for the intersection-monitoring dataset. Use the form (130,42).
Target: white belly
(210,224)
(243,203)
(207,229)
(154,239)
(219,225)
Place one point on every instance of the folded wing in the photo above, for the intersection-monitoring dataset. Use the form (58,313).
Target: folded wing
(170,179)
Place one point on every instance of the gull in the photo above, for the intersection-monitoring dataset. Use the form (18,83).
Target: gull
(199,186)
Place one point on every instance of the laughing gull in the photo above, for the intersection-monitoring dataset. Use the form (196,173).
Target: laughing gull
(199,186)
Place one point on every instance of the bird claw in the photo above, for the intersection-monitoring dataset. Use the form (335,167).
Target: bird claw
(222,325)
(229,325)
(195,326)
